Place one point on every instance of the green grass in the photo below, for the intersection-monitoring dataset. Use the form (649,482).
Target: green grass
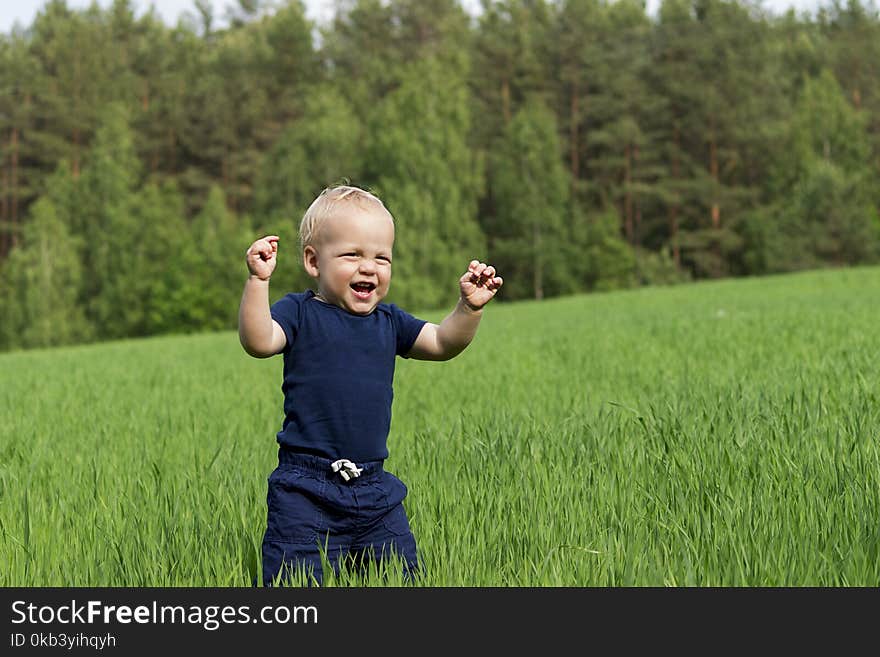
(723,433)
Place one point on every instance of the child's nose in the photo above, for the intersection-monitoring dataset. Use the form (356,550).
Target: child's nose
(368,266)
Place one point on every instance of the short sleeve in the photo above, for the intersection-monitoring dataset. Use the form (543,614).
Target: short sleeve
(286,312)
(407,329)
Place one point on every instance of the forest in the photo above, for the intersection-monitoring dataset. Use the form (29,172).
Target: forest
(577,145)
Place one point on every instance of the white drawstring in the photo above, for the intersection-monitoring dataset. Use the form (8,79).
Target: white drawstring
(346,469)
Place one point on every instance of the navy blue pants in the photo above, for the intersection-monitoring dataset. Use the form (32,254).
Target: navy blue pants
(312,509)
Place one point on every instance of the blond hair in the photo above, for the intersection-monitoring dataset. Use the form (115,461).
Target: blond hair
(324,206)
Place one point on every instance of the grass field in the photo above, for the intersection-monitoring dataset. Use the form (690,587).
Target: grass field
(722,433)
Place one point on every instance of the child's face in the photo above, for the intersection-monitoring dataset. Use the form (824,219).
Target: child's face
(351,260)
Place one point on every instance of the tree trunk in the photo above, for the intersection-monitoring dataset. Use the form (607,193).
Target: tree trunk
(4,214)
(637,209)
(573,136)
(145,107)
(13,209)
(76,110)
(75,161)
(172,152)
(505,100)
(539,273)
(627,196)
(673,207)
(713,170)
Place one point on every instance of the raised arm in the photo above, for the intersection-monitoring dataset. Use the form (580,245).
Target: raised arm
(478,286)
(259,334)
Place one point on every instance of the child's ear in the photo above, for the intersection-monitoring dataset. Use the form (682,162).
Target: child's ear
(310,261)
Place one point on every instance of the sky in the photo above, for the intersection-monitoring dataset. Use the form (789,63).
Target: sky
(24,11)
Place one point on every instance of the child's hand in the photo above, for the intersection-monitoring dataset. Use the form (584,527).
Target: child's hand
(479,284)
(261,257)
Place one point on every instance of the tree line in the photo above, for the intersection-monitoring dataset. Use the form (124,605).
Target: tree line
(578,145)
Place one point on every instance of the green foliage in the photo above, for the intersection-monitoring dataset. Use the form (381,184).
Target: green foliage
(831,220)
(362,47)
(163,261)
(315,152)
(825,126)
(605,260)
(511,54)
(108,229)
(430,181)
(710,252)
(830,214)
(694,143)
(203,289)
(40,283)
(762,240)
(21,153)
(531,191)
(658,268)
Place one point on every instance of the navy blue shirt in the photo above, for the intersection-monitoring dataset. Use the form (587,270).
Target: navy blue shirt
(338,370)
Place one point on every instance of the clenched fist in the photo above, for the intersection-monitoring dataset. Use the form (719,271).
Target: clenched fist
(261,257)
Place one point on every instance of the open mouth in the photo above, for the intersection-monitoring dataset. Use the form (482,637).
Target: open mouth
(362,290)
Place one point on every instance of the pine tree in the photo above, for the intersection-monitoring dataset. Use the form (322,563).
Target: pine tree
(317,150)
(714,69)
(362,53)
(159,258)
(825,126)
(437,29)
(531,191)
(830,217)
(581,40)
(320,149)
(429,179)
(287,65)
(107,226)
(511,61)
(830,220)
(75,53)
(853,29)
(625,161)
(160,60)
(21,175)
(854,44)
